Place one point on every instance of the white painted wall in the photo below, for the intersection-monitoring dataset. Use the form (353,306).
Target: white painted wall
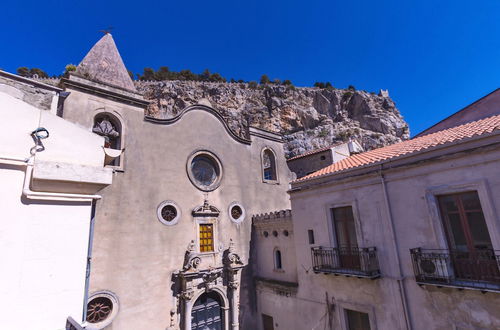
(67,143)
(43,244)
(43,248)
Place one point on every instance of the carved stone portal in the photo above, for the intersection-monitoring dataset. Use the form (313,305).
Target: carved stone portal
(203,273)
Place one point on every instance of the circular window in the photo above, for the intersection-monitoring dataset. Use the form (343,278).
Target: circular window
(236,212)
(168,213)
(266,234)
(275,233)
(286,233)
(204,170)
(102,308)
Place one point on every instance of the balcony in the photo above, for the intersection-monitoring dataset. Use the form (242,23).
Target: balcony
(348,261)
(444,268)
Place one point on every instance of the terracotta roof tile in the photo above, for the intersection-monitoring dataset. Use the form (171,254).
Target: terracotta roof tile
(414,145)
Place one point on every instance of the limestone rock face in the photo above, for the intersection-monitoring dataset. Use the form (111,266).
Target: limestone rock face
(309,118)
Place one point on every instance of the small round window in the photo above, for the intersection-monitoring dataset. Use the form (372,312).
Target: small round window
(102,308)
(204,170)
(236,212)
(168,213)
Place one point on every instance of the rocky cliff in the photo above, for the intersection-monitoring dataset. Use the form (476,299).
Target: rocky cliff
(308,118)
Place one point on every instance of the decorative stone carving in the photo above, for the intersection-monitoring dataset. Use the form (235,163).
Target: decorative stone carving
(172,320)
(210,279)
(206,210)
(231,258)
(192,259)
(187,294)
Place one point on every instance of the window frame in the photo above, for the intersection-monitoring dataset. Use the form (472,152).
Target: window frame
(331,225)
(215,233)
(275,259)
(275,181)
(346,315)
(310,236)
(363,308)
(209,154)
(212,240)
(116,116)
(160,217)
(465,226)
(485,198)
(116,308)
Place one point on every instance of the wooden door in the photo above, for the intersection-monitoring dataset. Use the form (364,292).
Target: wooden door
(347,242)
(207,313)
(471,250)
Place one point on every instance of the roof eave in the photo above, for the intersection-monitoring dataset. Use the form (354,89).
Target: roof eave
(369,168)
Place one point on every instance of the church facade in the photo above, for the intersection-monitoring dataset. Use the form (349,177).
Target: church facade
(194,225)
(172,234)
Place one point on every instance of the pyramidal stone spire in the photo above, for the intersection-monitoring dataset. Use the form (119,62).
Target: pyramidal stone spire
(104,64)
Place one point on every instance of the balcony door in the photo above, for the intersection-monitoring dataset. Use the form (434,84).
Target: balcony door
(468,237)
(345,232)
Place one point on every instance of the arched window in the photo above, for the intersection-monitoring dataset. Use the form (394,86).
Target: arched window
(269,166)
(110,128)
(277,260)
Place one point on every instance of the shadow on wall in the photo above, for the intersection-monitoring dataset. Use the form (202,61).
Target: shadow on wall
(248,294)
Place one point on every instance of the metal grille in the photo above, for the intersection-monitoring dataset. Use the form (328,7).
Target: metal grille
(168,212)
(479,269)
(236,212)
(206,238)
(99,309)
(359,262)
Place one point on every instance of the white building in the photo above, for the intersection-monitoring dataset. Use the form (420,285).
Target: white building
(50,172)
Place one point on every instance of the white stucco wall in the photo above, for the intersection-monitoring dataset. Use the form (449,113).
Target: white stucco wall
(417,224)
(44,243)
(67,142)
(43,248)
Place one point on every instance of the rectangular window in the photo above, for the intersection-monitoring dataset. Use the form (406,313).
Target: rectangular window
(347,242)
(206,237)
(471,250)
(345,230)
(310,233)
(267,322)
(357,320)
(464,222)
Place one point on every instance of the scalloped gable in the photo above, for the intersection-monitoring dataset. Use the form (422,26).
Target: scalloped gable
(243,137)
(104,64)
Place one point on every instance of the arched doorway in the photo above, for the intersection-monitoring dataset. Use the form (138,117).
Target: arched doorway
(207,313)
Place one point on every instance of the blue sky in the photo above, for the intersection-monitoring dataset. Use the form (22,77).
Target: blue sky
(435,57)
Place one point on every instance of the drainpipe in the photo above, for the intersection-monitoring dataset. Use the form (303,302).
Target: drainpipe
(400,278)
(14,160)
(41,195)
(89,261)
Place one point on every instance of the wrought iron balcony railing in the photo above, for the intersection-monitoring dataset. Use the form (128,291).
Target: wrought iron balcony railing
(349,261)
(474,270)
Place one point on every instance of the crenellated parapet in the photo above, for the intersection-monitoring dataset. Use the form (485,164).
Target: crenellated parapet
(267,223)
